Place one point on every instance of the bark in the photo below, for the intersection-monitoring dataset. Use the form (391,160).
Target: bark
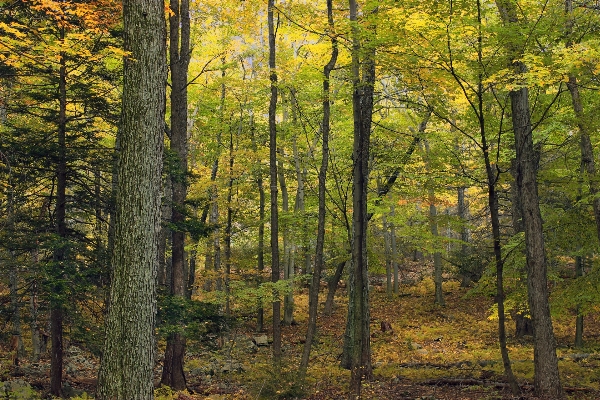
(273,182)
(546,376)
(315,284)
(179,58)
(357,345)
(127,364)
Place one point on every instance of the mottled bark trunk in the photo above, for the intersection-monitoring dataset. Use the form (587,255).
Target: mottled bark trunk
(273,182)
(126,369)
(315,284)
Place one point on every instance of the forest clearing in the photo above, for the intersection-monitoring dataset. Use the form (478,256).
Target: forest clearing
(299,199)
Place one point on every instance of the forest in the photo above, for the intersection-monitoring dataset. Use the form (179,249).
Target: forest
(302,199)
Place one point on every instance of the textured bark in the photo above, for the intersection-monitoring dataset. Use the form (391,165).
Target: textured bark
(273,182)
(128,356)
(315,284)
(546,377)
(179,57)
(357,344)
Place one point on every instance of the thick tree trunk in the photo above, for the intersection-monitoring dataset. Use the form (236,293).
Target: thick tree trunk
(273,181)
(128,356)
(179,57)
(315,284)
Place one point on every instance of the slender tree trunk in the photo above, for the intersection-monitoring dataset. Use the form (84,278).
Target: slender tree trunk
(388,258)
(313,296)
(260,253)
(357,343)
(394,250)
(229,224)
(273,181)
(179,57)
(288,311)
(56,313)
(433,226)
(579,319)
(126,369)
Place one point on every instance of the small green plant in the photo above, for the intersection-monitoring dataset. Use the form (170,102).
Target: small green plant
(83,396)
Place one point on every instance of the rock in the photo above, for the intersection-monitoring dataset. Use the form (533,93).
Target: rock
(232,367)
(422,352)
(261,340)
(415,346)
(17,390)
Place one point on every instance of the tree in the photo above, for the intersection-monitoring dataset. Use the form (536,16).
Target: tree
(357,346)
(179,56)
(128,356)
(313,300)
(546,377)
(273,180)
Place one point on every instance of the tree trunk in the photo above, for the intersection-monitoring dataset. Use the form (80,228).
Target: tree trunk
(394,250)
(128,354)
(357,344)
(273,181)
(179,57)
(315,284)
(288,301)
(579,319)
(433,226)
(546,376)
(56,306)
(388,258)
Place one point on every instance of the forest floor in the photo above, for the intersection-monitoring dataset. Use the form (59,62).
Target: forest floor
(431,353)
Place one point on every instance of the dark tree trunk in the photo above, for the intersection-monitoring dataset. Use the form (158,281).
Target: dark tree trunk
(357,344)
(315,284)
(126,369)
(546,376)
(332,287)
(179,57)
(273,181)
